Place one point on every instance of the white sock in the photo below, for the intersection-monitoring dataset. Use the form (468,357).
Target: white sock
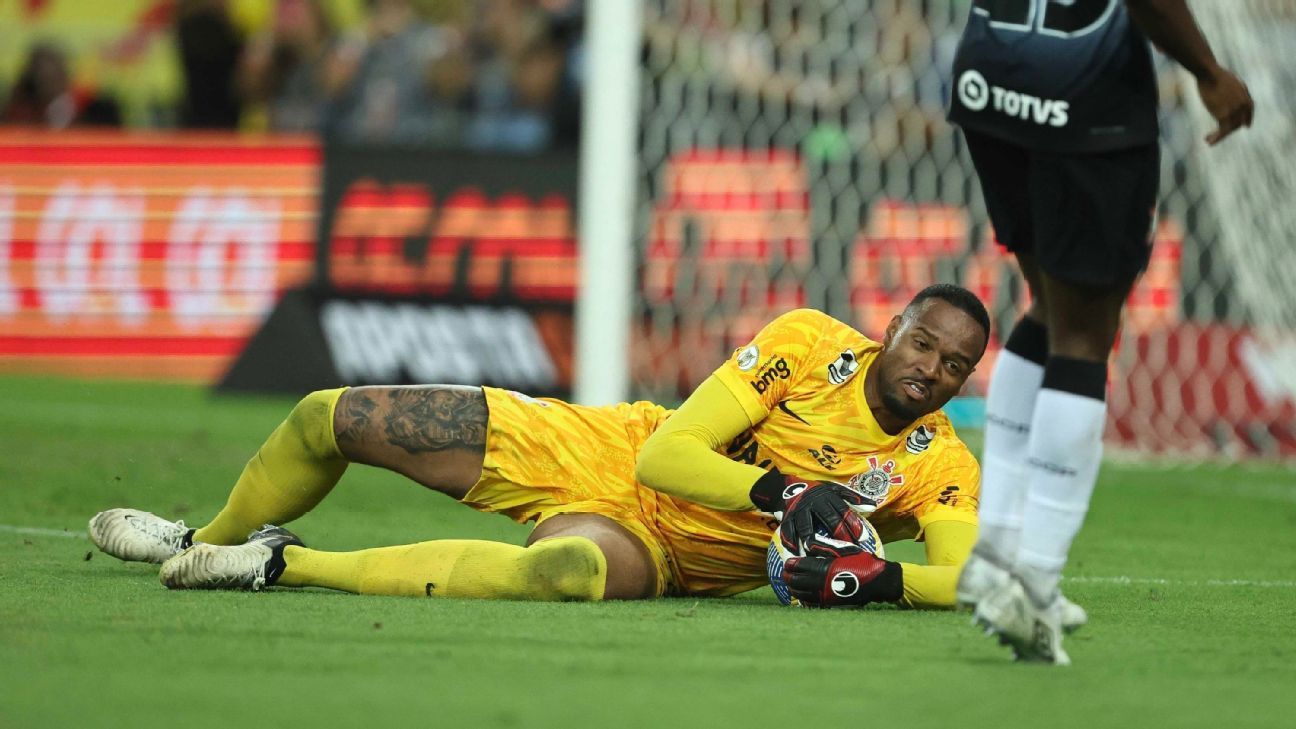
(1064,454)
(1010,407)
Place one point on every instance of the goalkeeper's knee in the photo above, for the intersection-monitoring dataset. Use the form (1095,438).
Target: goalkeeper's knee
(562,568)
(311,423)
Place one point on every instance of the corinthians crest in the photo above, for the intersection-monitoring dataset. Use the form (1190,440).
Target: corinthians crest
(876,482)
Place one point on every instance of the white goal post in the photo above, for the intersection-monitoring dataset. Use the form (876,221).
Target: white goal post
(606,201)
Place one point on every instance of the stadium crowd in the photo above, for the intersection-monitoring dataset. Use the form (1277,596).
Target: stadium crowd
(501,75)
(493,75)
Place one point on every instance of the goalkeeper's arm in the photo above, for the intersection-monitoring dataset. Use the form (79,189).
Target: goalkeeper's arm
(680,458)
(932,585)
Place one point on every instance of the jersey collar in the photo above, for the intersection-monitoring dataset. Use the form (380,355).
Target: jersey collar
(868,423)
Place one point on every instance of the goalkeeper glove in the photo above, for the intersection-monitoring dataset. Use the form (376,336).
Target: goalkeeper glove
(805,508)
(842,576)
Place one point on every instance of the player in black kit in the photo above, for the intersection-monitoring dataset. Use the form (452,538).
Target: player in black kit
(1057,100)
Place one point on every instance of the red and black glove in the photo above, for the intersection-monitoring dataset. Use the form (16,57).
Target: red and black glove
(806,508)
(830,576)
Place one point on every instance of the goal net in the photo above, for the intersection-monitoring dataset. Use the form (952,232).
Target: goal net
(796,154)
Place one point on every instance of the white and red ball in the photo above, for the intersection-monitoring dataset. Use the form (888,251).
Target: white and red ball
(776,555)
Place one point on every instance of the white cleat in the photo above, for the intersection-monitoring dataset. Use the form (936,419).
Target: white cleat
(254,565)
(1034,632)
(138,536)
(1072,616)
(981,576)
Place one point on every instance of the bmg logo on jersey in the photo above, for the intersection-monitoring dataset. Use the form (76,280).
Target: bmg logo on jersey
(776,370)
(976,94)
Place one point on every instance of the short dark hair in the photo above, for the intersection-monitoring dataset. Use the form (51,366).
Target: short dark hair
(958,297)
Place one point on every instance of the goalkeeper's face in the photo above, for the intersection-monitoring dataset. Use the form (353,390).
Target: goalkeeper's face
(927,355)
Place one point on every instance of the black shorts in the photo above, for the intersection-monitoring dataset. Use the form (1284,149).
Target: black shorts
(1087,218)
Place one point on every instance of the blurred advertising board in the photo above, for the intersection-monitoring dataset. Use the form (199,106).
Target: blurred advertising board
(432,266)
(147,256)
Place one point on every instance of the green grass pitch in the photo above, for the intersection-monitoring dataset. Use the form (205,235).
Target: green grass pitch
(1189,575)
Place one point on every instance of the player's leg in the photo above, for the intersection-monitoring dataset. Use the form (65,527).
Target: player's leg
(434,434)
(296,466)
(1010,405)
(1065,450)
(631,573)
(1063,456)
(570,557)
(411,431)
(1003,170)
(1095,212)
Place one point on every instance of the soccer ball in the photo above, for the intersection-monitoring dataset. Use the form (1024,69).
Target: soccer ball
(776,555)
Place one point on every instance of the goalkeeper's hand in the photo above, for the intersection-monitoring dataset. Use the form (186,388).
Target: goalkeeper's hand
(842,576)
(803,507)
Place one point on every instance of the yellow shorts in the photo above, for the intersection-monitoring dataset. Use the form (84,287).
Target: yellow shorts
(546,457)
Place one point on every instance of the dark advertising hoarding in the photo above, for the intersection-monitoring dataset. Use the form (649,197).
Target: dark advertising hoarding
(431,266)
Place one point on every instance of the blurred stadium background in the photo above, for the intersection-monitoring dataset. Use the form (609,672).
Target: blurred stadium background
(599,200)
(285,194)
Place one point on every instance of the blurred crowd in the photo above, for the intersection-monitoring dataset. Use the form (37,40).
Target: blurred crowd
(498,75)
(835,77)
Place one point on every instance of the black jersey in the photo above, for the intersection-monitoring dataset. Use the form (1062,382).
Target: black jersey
(1056,75)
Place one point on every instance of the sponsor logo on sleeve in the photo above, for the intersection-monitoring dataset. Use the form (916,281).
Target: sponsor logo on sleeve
(827,456)
(920,439)
(843,368)
(769,374)
(876,482)
(975,93)
(949,496)
(747,358)
(744,449)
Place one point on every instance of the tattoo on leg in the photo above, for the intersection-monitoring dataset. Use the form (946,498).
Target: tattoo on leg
(423,420)
(351,418)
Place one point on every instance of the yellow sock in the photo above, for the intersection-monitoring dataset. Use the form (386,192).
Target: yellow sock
(559,568)
(292,471)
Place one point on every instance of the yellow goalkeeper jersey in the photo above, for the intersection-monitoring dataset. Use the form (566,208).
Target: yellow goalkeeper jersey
(801,382)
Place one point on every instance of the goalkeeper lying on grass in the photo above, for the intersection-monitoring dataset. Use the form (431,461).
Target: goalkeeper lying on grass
(630,501)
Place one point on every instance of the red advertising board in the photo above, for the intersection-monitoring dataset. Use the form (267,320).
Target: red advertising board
(153,256)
